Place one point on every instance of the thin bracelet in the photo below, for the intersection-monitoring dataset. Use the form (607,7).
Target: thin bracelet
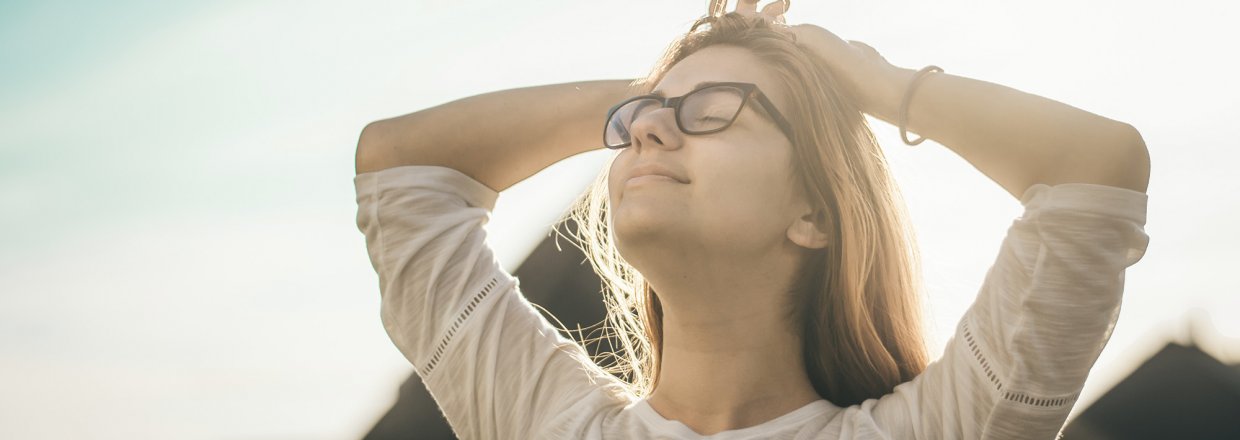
(908,96)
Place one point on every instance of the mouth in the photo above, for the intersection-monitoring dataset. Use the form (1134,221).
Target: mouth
(654,169)
(650,178)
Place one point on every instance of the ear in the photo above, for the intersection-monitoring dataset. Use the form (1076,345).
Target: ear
(807,231)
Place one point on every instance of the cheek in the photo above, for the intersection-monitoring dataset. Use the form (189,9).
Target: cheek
(613,189)
(744,204)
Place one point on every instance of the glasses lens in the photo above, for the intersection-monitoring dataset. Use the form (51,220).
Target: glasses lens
(617,133)
(711,109)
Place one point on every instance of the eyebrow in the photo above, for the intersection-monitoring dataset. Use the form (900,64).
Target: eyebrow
(660,93)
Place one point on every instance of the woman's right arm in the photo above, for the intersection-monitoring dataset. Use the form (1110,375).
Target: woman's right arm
(426,185)
(498,138)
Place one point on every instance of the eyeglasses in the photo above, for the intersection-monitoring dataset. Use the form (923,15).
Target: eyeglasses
(708,109)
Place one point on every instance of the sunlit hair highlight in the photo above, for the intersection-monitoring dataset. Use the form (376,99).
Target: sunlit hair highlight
(858,299)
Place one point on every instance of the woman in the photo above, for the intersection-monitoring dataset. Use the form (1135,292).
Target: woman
(761,271)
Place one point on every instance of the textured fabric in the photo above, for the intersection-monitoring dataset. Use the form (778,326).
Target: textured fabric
(499,370)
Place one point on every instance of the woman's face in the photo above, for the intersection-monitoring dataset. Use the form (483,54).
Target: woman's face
(737,196)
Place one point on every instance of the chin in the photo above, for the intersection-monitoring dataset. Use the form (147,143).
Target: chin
(639,228)
(635,228)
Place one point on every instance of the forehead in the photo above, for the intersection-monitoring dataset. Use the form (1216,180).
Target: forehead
(719,63)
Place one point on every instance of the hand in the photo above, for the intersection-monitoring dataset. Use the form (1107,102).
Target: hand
(773,12)
(875,83)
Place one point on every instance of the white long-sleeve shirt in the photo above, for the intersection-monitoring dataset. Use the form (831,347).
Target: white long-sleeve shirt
(499,370)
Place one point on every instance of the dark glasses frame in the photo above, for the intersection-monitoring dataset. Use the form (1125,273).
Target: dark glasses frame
(747,90)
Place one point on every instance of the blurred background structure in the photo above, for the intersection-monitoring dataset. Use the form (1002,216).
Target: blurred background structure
(1181,392)
(178,250)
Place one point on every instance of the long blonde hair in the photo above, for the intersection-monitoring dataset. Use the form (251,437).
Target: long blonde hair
(858,298)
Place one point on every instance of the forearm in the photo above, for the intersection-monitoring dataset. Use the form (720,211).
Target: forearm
(498,138)
(1015,138)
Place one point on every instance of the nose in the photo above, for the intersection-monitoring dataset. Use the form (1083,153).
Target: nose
(657,128)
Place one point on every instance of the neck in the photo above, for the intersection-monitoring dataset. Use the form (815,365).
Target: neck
(731,359)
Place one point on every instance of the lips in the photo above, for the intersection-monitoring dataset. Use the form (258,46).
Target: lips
(658,170)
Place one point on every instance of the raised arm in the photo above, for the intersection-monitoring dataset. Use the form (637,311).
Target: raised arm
(1021,354)
(498,138)
(1015,138)
(426,184)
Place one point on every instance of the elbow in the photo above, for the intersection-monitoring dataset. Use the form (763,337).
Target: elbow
(1132,169)
(1116,157)
(374,149)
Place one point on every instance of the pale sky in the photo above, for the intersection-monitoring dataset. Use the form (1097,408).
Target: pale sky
(178,252)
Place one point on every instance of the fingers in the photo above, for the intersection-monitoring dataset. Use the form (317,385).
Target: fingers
(863,46)
(747,7)
(866,49)
(773,12)
(775,9)
(815,33)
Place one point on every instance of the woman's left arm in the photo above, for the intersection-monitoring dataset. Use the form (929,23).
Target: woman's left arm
(1020,355)
(1015,138)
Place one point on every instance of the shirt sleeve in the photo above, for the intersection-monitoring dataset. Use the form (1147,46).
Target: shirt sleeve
(1021,353)
(494,365)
